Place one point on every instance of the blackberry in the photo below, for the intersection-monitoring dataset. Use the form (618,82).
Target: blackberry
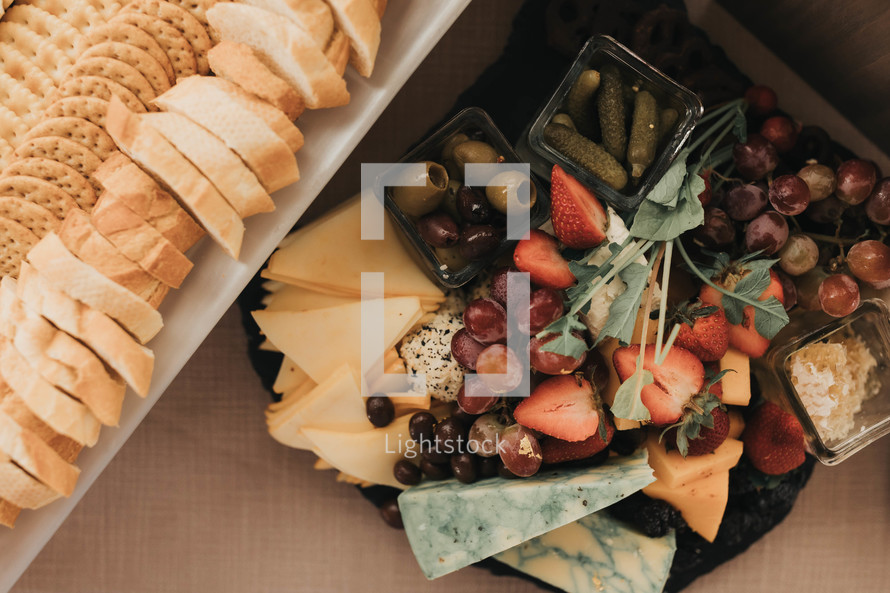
(655,518)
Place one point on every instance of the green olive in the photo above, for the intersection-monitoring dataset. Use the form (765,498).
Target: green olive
(449,145)
(449,202)
(564,119)
(474,151)
(422,199)
(504,188)
(451,258)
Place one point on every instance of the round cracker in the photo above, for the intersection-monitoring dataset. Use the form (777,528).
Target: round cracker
(39,50)
(33,217)
(64,177)
(140,59)
(17,65)
(119,72)
(190,27)
(80,14)
(134,36)
(197,8)
(174,43)
(80,130)
(88,108)
(6,153)
(40,192)
(100,88)
(54,29)
(109,8)
(68,152)
(17,97)
(15,243)
(12,128)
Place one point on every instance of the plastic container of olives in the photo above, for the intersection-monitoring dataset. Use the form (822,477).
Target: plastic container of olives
(476,125)
(636,75)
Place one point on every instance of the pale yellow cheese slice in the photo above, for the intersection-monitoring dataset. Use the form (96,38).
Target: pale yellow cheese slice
(290,397)
(290,376)
(295,298)
(331,253)
(429,304)
(321,340)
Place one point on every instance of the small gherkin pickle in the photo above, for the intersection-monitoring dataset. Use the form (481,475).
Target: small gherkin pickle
(563,119)
(643,134)
(667,118)
(613,112)
(587,154)
(579,103)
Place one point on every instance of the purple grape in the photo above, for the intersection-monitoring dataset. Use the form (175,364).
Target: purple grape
(486,320)
(789,195)
(855,180)
(755,158)
(745,202)
(465,349)
(877,208)
(768,233)
(717,230)
(826,211)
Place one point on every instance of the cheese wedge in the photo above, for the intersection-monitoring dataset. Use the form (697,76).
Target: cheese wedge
(671,468)
(290,376)
(737,384)
(290,398)
(701,503)
(321,340)
(295,298)
(339,256)
(334,293)
(736,424)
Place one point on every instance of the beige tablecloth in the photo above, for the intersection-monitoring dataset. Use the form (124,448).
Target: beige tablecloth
(202,499)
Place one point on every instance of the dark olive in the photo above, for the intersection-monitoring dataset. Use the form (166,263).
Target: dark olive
(421,427)
(463,465)
(488,466)
(406,473)
(451,258)
(391,514)
(449,202)
(417,200)
(472,205)
(438,229)
(380,410)
(450,436)
(435,471)
(478,241)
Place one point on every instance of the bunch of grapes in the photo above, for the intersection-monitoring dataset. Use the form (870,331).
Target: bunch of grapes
(824,221)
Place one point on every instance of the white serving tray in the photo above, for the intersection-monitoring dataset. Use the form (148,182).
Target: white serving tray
(411,28)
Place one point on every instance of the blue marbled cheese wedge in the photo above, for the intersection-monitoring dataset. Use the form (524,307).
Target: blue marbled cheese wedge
(451,525)
(595,554)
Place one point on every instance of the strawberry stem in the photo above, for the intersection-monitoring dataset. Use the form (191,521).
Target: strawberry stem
(623,258)
(668,250)
(669,344)
(653,267)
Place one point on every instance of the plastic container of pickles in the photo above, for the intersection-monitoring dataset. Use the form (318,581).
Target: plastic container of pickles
(448,269)
(603,54)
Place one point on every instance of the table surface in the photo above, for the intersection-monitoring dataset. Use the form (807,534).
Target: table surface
(202,499)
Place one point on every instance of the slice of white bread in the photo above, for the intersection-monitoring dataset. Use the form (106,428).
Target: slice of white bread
(222,167)
(36,457)
(13,406)
(153,152)
(61,412)
(9,513)
(206,104)
(361,23)
(59,358)
(95,329)
(285,48)
(380,7)
(81,238)
(313,16)
(238,63)
(83,282)
(19,488)
(139,241)
(142,194)
(274,117)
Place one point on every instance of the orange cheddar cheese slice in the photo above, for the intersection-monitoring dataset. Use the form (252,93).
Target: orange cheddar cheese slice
(674,471)
(701,503)
(736,385)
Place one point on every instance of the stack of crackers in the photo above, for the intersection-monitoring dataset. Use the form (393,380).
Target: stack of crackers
(128,130)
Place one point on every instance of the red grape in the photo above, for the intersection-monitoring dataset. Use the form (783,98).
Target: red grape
(789,290)
(520,450)
(781,131)
(544,307)
(826,211)
(877,208)
(820,179)
(761,99)
(870,262)
(465,349)
(498,288)
(789,195)
(855,180)
(478,401)
(499,368)
(705,196)
(552,363)
(755,158)
(799,255)
(716,231)
(595,370)
(486,320)
(744,202)
(808,289)
(768,232)
(484,436)
(839,295)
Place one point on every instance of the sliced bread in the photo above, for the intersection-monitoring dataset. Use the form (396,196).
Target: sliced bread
(83,282)
(361,23)
(205,103)
(37,458)
(161,159)
(313,16)
(95,329)
(21,489)
(13,406)
(9,513)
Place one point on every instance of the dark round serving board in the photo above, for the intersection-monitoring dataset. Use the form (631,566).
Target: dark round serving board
(546,36)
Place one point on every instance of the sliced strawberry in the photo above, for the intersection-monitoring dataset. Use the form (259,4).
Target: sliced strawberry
(677,380)
(578,217)
(558,451)
(693,435)
(704,331)
(563,407)
(539,256)
(774,441)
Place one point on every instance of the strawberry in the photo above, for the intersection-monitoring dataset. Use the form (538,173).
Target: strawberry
(703,427)
(677,380)
(558,451)
(774,440)
(716,388)
(704,331)
(578,218)
(744,336)
(538,254)
(705,196)
(563,407)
